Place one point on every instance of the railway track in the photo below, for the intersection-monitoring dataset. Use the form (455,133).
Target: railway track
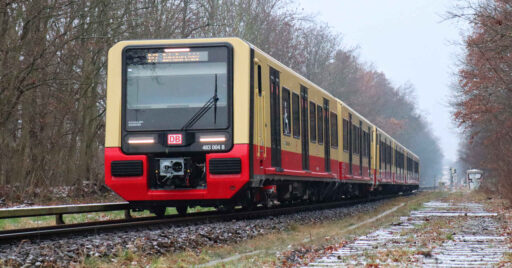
(192,218)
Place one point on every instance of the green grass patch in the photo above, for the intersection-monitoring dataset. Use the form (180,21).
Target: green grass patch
(39,221)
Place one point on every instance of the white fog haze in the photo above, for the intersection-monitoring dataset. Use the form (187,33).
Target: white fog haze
(410,42)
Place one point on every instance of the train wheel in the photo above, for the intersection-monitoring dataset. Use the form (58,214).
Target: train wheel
(182,210)
(159,211)
(228,207)
(248,202)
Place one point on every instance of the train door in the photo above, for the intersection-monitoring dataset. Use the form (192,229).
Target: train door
(259,116)
(396,162)
(379,150)
(375,138)
(386,157)
(350,144)
(360,140)
(327,144)
(275,119)
(369,152)
(304,126)
(407,169)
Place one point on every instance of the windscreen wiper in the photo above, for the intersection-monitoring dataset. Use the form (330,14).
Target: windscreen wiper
(206,107)
(215,102)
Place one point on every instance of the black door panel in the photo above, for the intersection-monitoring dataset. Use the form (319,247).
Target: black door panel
(275,119)
(327,143)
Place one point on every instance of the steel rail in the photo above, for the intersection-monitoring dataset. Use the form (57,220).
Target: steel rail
(193,218)
(60,210)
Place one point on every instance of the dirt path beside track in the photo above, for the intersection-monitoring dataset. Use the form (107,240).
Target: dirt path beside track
(444,233)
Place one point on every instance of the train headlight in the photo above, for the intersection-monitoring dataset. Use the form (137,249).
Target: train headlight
(212,138)
(141,140)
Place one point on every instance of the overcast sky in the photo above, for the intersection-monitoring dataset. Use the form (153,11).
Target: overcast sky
(409,42)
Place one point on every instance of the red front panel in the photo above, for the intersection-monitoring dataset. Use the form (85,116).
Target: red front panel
(217,186)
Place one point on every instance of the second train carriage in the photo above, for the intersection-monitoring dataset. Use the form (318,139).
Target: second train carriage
(219,122)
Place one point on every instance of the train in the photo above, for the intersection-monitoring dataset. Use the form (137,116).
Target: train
(217,122)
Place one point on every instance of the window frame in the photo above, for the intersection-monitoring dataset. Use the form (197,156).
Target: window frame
(286,92)
(355,140)
(259,81)
(359,143)
(312,122)
(125,62)
(345,135)
(320,124)
(390,155)
(296,115)
(380,154)
(365,144)
(334,129)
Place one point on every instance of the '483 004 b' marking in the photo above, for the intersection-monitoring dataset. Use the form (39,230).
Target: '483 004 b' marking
(214,147)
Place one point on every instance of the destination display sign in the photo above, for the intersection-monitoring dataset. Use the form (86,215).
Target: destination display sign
(186,56)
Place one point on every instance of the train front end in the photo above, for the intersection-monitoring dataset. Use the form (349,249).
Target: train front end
(177,122)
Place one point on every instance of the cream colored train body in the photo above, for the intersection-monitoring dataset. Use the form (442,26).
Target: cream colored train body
(219,122)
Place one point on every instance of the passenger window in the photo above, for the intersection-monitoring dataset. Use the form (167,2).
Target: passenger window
(370,134)
(359,140)
(259,80)
(354,139)
(385,154)
(380,154)
(345,135)
(334,130)
(388,159)
(389,155)
(368,144)
(312,121)
(296,115)
(320,121)
(286,112)
(364,144)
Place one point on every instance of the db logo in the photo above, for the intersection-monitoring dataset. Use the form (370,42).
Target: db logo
(174,139)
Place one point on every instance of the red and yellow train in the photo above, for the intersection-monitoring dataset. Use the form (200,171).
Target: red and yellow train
(217,122)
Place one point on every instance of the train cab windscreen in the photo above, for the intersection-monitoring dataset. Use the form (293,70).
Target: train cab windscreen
(166,87)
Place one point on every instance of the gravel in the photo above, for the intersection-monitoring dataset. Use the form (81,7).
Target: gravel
(470,237)
(157,240)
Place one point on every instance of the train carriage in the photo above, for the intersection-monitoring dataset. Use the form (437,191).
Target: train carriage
(217,122)
(385,163)
(356,149)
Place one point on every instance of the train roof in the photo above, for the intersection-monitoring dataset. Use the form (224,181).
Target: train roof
(358,114)
(298,75)
(396,142)
(309,81)
(290,70)
(327,93)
